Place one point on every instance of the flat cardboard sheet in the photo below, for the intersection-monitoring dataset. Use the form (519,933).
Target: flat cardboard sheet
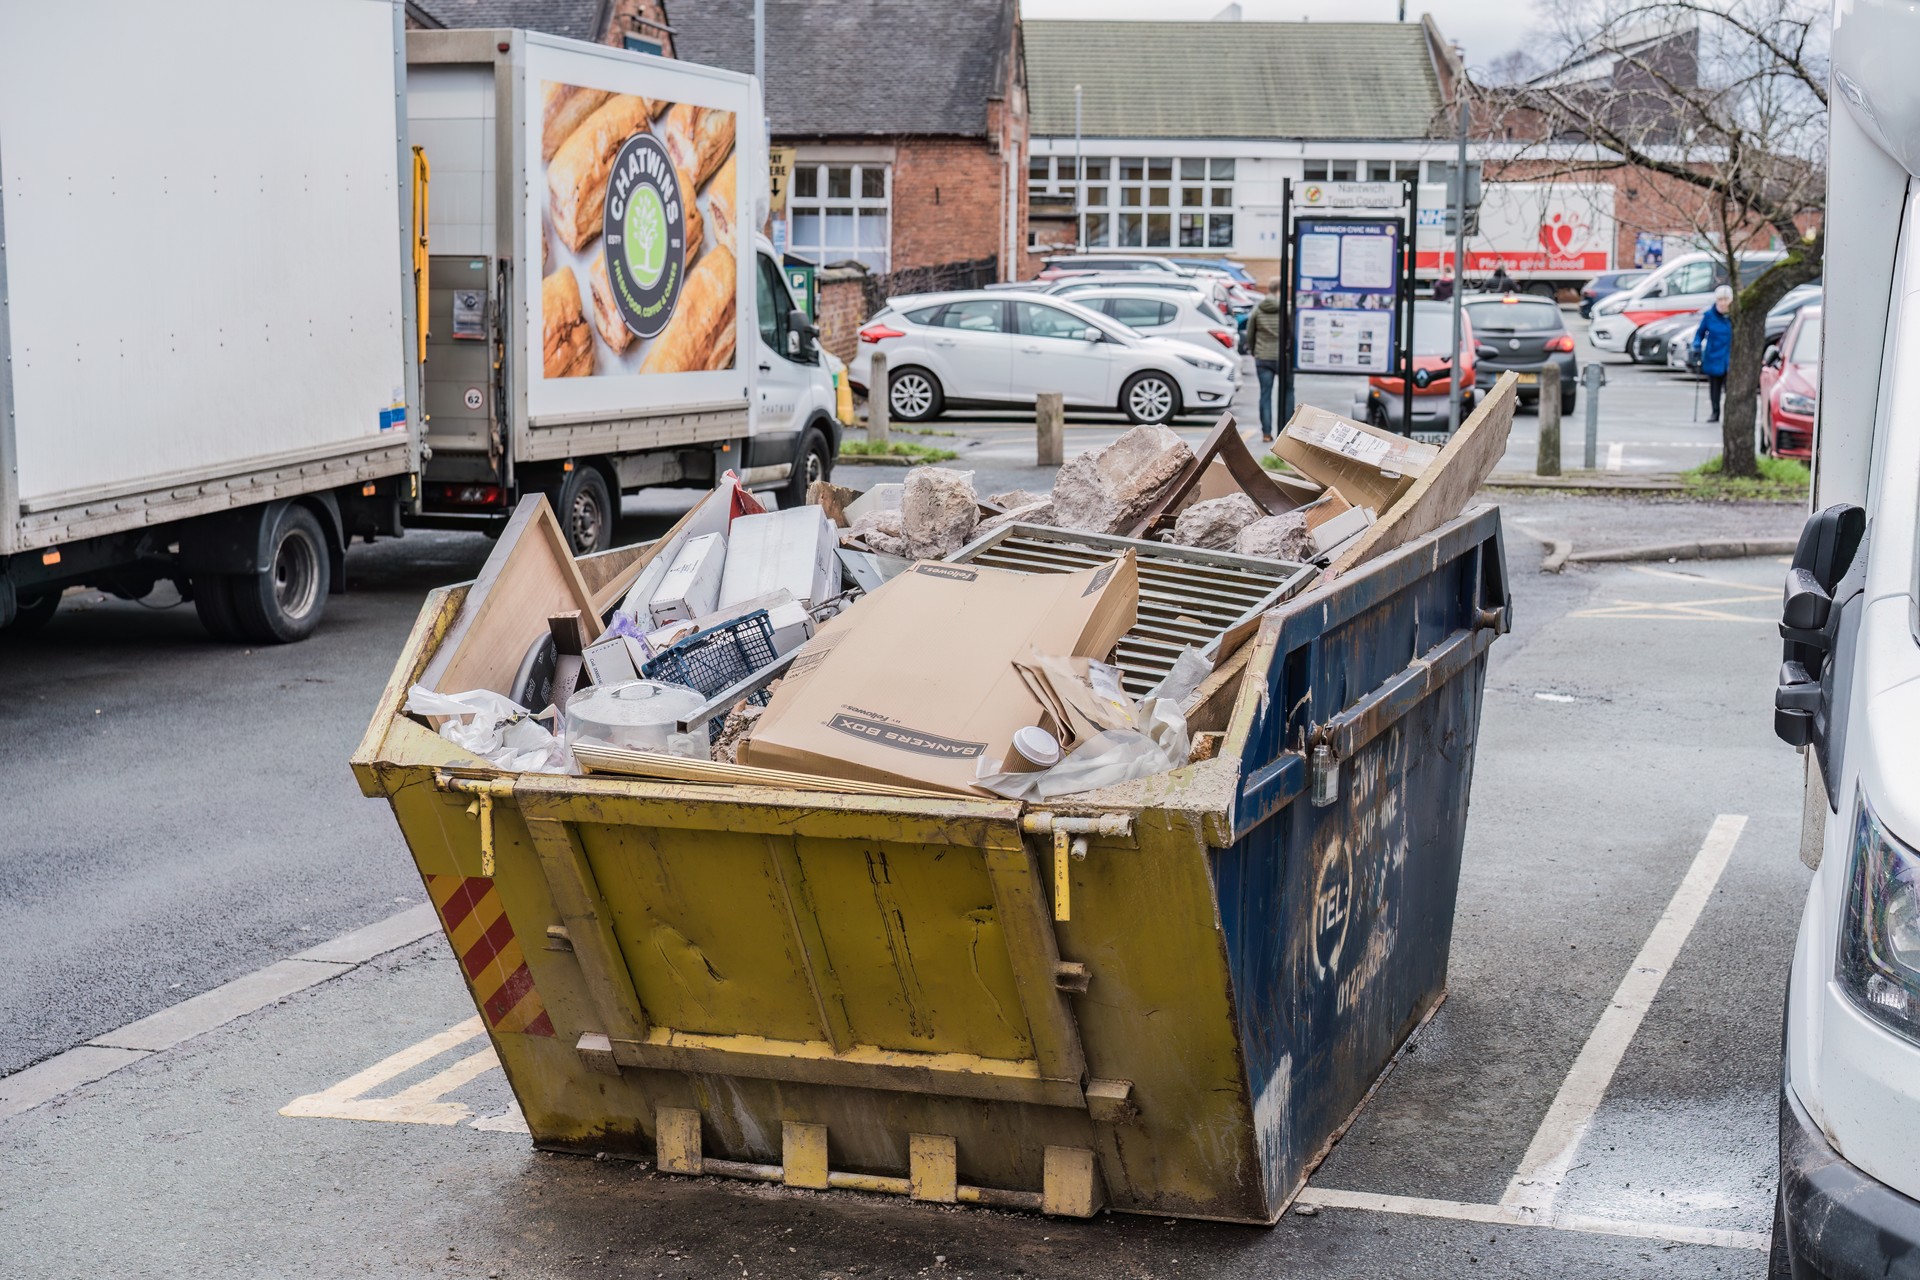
(1370,468)
(916,684)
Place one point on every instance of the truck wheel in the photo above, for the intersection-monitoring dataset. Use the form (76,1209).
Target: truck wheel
(812,462)
(283,601)
(31,615)
(585,509)
(913,395)
(213,601)
(1150,398)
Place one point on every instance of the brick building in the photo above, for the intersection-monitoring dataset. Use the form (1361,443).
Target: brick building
(909,124)
(640,25)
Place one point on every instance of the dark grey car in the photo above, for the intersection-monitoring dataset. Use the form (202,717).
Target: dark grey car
(1523,334)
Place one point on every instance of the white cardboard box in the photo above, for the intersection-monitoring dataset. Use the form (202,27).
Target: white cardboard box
(793,549)
(692,586)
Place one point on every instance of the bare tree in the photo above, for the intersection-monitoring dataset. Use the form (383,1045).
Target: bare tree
(1722,102)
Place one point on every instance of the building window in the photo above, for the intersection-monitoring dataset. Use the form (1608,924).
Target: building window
(841,212)
(641,44)
(1145,202)
(1393,171)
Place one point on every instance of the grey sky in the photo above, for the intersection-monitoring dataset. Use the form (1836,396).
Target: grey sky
(1486,29)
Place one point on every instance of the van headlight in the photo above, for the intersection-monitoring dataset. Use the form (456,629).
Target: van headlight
(1879,964)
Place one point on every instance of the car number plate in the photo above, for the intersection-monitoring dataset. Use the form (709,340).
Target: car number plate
(1528,379)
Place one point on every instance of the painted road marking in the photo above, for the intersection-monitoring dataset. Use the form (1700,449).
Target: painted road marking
(1536,1183)
(1511,1216)
(1702,610)
(138,1040)
(421,1103)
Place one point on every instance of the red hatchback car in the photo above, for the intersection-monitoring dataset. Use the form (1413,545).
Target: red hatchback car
(1790,389)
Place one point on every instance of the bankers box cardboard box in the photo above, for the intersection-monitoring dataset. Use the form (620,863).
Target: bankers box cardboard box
(916,684)
(1369,467)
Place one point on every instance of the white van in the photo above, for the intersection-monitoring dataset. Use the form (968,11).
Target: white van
(1849,694)
(1681,287)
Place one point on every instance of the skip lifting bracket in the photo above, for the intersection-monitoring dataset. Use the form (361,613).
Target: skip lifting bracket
(1069,838)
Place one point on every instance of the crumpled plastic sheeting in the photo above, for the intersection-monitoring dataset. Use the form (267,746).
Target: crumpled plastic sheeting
(493,727)
(1155,742)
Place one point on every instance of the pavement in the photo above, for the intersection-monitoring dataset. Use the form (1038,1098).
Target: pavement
(183,840)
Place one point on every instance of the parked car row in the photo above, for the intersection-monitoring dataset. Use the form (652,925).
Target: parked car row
(995,347)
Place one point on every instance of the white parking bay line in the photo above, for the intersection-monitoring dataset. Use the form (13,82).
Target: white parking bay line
(1536,1183)
(1512,1216)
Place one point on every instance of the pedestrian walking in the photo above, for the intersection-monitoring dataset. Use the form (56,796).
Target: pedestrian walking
(1500,281)
(1264,338)
(1443,287)
(1713,344)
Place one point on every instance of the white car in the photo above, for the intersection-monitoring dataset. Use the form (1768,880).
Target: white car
(1216,292)
(992,347)
(1683,285)
(1183,315)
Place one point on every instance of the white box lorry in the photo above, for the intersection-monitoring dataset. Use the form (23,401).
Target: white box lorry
(1548,235)
(275,194)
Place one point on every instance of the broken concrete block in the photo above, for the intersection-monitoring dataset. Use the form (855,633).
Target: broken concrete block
(1109,490)
(881,531)
(1040,512)
(940,511)
(1015,498)
(1216,522)
(1281,537)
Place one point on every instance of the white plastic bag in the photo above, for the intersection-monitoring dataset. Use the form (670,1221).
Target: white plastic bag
(493,727)
(1154,740)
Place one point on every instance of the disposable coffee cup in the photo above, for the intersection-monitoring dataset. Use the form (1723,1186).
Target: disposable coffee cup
(1033,749)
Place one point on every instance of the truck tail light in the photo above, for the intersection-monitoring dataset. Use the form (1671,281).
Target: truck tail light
(1222,337)
(1562,343)
(879,333)
(470,495)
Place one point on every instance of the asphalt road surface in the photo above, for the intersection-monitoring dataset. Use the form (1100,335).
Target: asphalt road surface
(180,816)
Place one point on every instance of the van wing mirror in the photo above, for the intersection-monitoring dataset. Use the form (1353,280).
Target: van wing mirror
(803,340)
(1827,574)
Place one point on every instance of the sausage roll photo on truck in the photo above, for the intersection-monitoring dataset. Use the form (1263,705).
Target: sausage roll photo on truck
(1849,695)
(416,278)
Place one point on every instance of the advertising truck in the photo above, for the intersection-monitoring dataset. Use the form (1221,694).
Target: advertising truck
(286,276)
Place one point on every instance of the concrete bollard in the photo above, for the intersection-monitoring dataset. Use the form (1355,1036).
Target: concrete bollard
(879,401)
(1548,463)
(1049,427)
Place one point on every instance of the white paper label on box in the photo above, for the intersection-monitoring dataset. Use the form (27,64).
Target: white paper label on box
(1356,444)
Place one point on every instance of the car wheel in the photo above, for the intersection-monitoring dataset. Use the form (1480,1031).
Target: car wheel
(283,601)
(585,509)
(913,395)
(31,615)
(813,462)
(1631,357)
(1150,398)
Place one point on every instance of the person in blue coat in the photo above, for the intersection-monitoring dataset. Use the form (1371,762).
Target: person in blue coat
(1713,344)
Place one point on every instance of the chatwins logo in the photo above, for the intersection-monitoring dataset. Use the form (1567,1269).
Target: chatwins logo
(646,235)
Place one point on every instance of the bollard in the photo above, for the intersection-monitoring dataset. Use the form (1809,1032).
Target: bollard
(1548,463)
(1049,427)
(1593,377)
(879,401)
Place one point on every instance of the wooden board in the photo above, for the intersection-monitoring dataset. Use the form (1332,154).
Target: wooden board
(529,577)
(1447,485)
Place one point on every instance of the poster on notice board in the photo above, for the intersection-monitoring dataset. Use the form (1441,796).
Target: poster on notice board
(1345,286)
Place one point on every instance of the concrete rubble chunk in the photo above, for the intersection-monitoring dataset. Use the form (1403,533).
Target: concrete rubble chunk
(1281,537)
(1016,498)
(1216,522)
(881,531)
(940,511)
(1037,512)
(1108,490)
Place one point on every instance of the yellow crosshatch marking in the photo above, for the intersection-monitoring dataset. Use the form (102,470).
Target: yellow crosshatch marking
(1701,610)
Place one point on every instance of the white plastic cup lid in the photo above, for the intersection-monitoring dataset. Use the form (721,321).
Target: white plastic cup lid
(1037,746)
